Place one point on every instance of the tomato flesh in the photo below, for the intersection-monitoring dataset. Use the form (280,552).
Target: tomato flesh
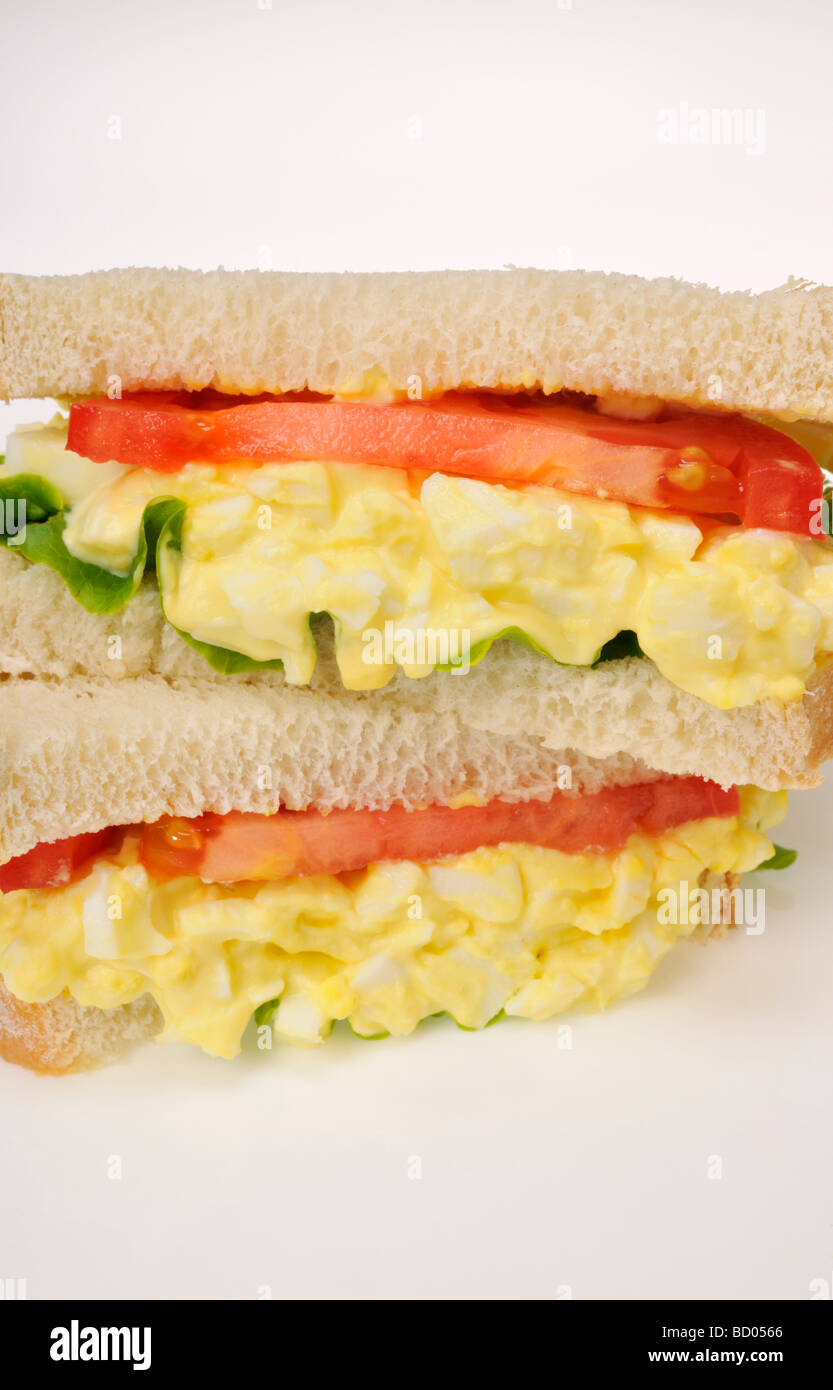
(692,462)
(50,865)
(243,846)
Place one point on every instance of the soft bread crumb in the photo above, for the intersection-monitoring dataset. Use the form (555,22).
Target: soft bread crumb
(83,753)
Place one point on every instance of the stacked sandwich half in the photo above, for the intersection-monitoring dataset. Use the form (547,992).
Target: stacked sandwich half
(374,647)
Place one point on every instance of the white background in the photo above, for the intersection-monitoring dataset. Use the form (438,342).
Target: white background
(325,135)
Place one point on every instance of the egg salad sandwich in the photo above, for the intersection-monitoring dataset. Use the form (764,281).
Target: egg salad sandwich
(374,647)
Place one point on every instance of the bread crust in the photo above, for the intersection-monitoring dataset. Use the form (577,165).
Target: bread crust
(61,1036)
(251,331)
(819,708)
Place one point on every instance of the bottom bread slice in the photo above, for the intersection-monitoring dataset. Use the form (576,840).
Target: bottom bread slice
(62,1036)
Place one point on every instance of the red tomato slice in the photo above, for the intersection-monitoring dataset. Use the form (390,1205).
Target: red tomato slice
(243,846)
(49,865)
(694,462)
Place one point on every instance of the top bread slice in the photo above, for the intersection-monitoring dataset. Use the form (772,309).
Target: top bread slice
(431,331)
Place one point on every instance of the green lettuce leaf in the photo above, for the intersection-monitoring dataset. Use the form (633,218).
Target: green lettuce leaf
(781,859)
(264,1013)
(41,498)
(479,650)
(227,662)
(623,644)
(467,1029)
(96,589)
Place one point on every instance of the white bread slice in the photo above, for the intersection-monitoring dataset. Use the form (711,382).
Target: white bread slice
(87,752)
(61,1036)
(250,331)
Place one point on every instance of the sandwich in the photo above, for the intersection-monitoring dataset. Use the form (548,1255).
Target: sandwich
(377,647)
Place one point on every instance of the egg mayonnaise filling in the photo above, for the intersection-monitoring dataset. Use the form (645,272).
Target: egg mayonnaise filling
(418,570)
(518,929)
